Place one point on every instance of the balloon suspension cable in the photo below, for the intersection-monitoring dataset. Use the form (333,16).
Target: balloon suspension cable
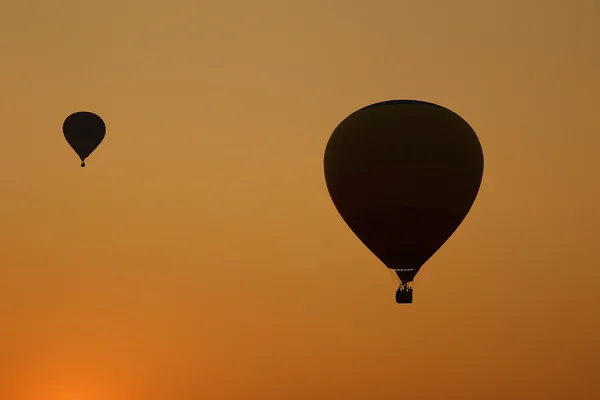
(395,280)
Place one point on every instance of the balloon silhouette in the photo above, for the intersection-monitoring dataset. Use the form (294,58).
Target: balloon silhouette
(84,131)
(403,174)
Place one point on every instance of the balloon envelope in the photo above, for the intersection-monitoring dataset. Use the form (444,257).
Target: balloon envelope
(84,131)
(403,175)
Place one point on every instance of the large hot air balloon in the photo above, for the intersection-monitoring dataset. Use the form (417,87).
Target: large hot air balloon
(84,131)
(403,175)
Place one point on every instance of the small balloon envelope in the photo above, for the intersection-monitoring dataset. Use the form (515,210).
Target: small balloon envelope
(403,174)
(84,131)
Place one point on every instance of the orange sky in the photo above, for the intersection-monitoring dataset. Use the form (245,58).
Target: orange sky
(199,256)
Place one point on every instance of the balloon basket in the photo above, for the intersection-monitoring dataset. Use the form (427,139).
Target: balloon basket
(404,294)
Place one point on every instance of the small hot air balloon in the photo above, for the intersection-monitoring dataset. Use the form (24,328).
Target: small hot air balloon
(403,174)
(84,131)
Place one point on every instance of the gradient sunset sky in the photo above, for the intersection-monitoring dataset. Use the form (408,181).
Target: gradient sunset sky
(198,256)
